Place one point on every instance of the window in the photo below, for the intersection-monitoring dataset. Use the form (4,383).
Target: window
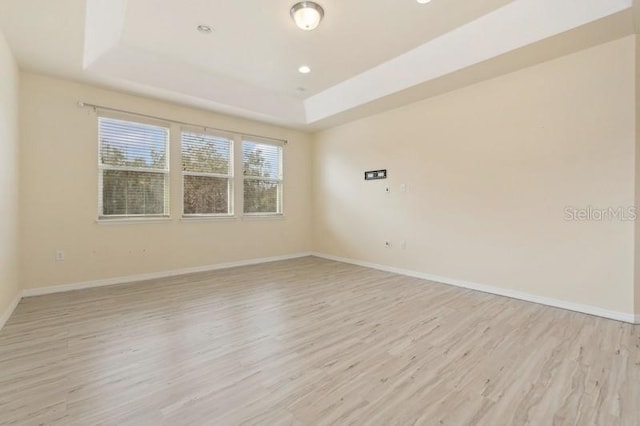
(134,169)
(207,174)
(262,164)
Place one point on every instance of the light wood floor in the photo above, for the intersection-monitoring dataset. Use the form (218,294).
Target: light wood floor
(311,341)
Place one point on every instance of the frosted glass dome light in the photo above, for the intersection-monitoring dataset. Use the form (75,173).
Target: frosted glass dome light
(307,15)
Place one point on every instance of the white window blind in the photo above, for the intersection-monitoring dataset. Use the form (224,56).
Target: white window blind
(263,177)
(207,174)
(134,169)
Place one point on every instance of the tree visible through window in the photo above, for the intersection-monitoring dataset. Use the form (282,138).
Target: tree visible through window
(262,178)
(134,169)
(134,172)
(207,165)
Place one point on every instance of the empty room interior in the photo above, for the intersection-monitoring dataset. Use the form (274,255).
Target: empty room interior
(319,212)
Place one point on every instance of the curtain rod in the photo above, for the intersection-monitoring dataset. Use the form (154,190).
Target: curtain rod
(95,107)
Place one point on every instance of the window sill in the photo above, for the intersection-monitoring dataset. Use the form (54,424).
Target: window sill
(133,221)
(259,217)
(208,218)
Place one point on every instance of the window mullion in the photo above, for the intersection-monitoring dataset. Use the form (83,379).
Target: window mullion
(215,175)
(262,178)
(133,169)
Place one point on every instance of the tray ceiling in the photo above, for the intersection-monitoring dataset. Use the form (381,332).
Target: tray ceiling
(366,55)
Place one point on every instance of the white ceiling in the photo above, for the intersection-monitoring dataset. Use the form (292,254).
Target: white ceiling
(256,41)
(365,51)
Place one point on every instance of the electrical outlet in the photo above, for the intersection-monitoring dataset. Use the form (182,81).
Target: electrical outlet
(387,244)
(59,255)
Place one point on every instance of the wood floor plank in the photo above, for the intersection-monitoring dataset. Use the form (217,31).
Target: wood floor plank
(311,341)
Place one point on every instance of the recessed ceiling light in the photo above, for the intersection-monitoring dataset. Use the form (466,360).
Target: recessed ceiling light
(424,1)
(304,69)
(204,29)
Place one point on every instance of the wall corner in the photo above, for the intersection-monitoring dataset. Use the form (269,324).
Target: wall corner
(637,170)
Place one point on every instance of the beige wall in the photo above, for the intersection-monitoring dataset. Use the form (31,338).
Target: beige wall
(59,195)
(489,171)
(9,287)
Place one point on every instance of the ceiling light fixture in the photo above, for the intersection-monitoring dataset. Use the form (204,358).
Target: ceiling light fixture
(304,69)
(204,29)
(424,1)
(307,15)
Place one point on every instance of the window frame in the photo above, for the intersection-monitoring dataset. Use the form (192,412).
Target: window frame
(101,217)
(280,180)
(230,177)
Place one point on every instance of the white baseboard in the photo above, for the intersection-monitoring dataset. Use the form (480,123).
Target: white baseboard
(586,309)
(7,312)
(514,294)
(40,291)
